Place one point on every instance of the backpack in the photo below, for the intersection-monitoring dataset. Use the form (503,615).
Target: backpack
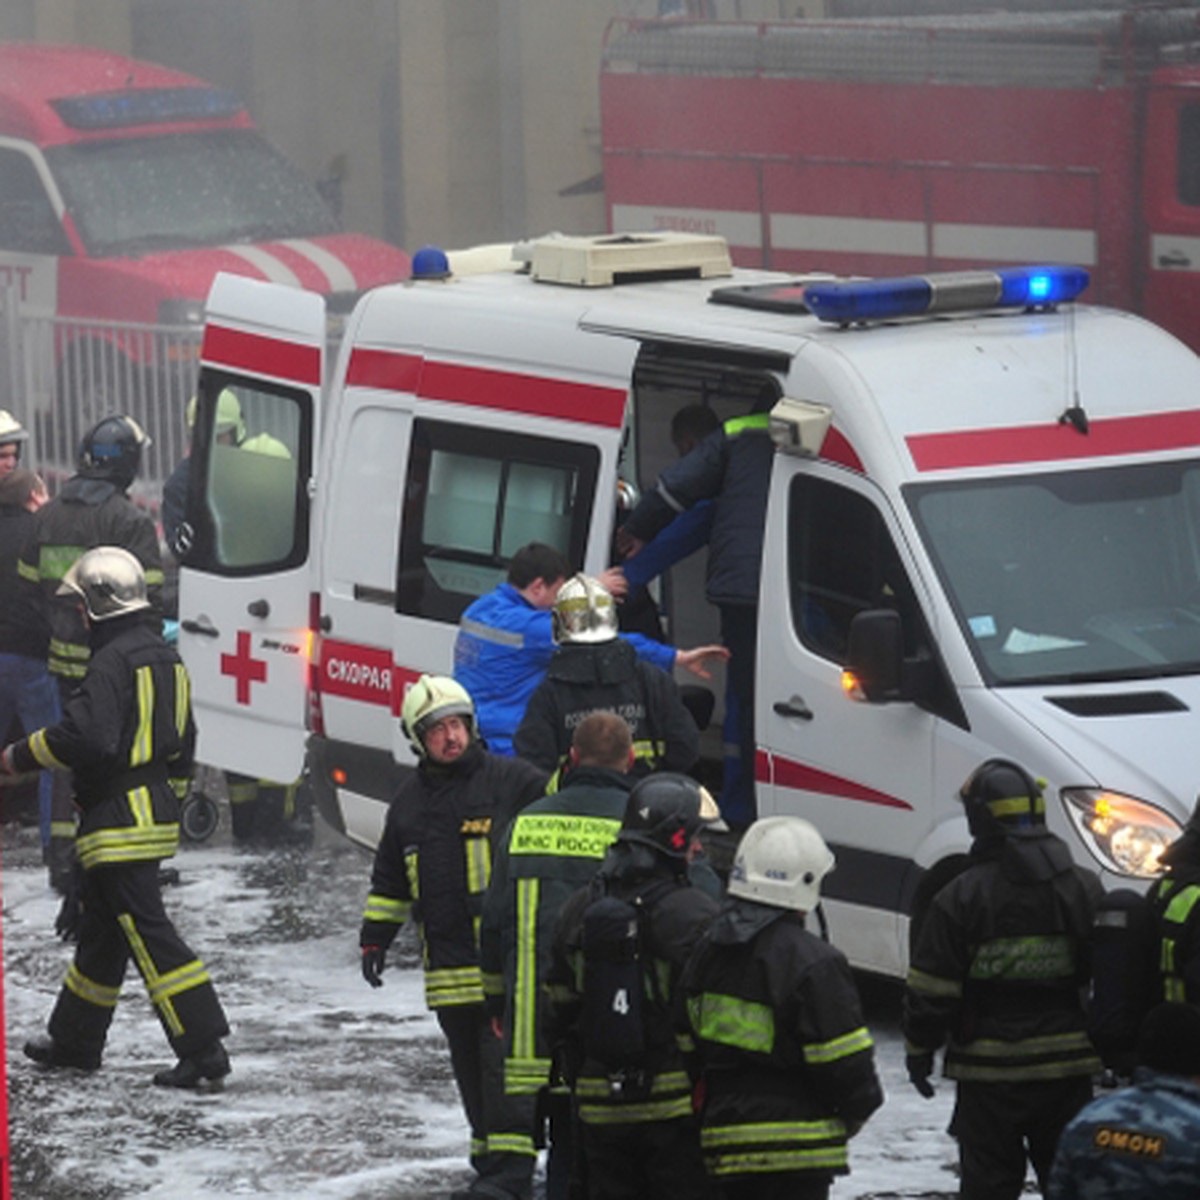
(620,988)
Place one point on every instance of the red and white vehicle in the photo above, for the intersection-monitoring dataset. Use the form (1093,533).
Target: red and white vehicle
(989,512)
(126,187)
(922,144)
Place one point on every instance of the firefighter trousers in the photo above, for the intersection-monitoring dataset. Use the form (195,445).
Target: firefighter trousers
(635,1160)
(503,1161)
(124,918)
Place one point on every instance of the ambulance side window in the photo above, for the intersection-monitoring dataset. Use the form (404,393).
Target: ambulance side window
(473,497)
(27,221)
(254,515)
(842,561)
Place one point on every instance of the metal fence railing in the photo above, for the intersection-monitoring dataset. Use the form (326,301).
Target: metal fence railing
(59,376)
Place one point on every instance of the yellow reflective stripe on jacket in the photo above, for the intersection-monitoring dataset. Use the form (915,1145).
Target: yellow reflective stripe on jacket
(445,986)
(525,1076)
(732,1021)
(154,576)
(62,829)
(713,1137)
(28,571)
(387,908)
(854,1042)
(760,1162)
(990,1060)
(648,751)
(493,983)
(933,985)
(183,698)
(142,841)
(70,649)
(670,1097)
(525,976)
(40,750)
(55,561)
(748,423)
(562,835)
(88,990)
(142,748)
(479,863)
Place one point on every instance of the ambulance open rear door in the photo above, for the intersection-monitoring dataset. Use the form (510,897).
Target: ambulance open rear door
(244,583)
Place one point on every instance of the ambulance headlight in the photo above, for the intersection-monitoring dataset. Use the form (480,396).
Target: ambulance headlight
(1122,834)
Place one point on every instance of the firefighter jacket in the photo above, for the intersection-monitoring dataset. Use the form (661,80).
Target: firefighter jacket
(731,467)
(1174,904)
(434,862)
(552,849)
(608,677)
(85,514)
(128,737)
(503,648)
(676,914)
(23,628)
(780,1043)
(1143,1140)
(1000,964)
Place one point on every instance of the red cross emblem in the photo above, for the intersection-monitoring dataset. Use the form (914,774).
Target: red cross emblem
(243,668)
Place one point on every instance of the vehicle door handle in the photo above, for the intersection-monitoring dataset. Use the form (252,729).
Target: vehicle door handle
(258,608)
(795,707)
(203,627)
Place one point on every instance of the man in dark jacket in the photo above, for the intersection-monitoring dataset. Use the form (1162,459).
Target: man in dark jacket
(92,509)
(552,848)
(1174,919)
(639,1133)
(784,1056)
(999,969)
(731,467)
(433,865)
(594,670)
(127,735)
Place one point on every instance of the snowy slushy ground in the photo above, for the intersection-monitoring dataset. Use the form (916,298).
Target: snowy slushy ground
(338,1091)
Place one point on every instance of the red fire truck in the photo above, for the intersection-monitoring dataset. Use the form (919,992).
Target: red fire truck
(880,146)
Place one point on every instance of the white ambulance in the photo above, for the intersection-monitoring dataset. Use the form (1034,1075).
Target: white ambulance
(985,503)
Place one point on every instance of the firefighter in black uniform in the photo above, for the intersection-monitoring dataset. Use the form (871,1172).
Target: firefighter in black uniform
(433,865)
(639,1132)
(127,735)
(1174,919)
(785,1058)
(91,509)
(999,969)
(595,670)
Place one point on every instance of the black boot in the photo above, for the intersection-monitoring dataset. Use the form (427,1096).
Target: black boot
(211,1063)
(49,1053)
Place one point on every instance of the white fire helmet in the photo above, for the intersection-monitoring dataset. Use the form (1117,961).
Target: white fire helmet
(109,580)
(781,862)
(584,613)
(428,701)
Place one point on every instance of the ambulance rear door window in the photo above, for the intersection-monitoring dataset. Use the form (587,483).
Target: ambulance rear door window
(476,496)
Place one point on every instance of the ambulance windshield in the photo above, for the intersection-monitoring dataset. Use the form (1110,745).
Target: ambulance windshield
(133,196)
(1072,576)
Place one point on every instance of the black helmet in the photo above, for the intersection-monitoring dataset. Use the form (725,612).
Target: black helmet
(1001,796)
(665,812)
(112,450)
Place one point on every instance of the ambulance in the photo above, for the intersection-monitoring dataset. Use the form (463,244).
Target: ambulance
(982,536)
(125,187)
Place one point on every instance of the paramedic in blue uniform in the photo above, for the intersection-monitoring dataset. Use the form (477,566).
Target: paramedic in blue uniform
(506,640)
(732,468)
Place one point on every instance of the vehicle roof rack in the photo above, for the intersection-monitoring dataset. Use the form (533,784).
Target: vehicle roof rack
(617,258)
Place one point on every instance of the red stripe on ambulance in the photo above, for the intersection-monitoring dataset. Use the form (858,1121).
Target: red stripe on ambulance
(788,773)
(259,355)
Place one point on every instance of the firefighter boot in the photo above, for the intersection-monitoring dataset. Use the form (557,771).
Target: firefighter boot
(211,1063)
(46,1052)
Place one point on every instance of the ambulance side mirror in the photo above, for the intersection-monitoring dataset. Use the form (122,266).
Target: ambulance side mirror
(875,656)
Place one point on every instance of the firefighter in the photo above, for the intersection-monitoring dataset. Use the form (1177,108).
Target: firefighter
(998,969)
(1174,918)
(593,670)
(1144,1140)
(783,1054)
(13,436)
(619,948)
(732,468)
(91,509)
(432,865)
(552,848)
(127,735)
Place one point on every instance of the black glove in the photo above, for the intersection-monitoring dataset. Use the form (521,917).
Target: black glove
(70,911)
(920,1067)
(373,958)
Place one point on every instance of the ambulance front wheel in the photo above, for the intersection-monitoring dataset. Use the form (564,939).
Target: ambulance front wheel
(198,817)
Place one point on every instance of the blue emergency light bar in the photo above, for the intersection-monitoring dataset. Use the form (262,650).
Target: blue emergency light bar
(952,291)
(147,106)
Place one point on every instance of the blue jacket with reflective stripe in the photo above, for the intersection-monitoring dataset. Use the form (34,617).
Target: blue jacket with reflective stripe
(503,648)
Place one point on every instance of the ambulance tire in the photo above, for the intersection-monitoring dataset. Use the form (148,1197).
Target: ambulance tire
(199,817)
(932,882)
